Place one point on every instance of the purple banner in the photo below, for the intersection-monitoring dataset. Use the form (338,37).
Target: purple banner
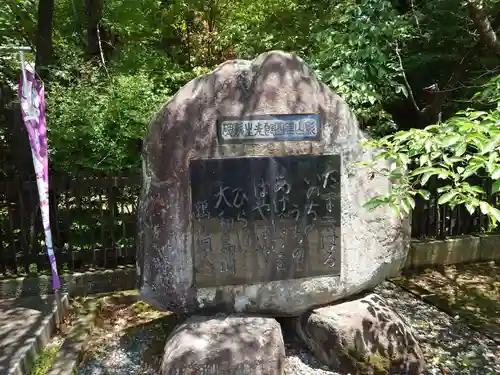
(31,95)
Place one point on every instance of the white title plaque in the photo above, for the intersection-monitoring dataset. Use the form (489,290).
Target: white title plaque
(304,127)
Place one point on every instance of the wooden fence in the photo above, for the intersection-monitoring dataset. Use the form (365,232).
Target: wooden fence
(94,224)
(432,220)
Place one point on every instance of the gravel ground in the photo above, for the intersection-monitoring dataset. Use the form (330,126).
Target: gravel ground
(450,347)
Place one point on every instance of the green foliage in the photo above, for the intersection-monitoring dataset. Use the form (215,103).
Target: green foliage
(457,152)
(353,56)
(98,111)
(96,122)
(96,119)
(45,359)
(16,23)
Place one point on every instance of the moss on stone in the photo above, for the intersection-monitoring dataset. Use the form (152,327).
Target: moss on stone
(379,363)
(374,364)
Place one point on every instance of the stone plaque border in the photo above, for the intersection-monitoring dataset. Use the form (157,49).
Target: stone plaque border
(268,121)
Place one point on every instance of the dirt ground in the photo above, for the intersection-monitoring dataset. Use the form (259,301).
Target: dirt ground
(129,338)
(471,291)
(132,321)
(129,335)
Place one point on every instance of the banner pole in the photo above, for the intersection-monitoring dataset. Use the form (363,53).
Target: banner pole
(31,94)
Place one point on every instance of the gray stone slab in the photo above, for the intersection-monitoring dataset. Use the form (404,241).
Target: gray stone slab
(225,345)
(26,325)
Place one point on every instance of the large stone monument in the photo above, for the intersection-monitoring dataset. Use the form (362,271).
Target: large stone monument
(252,201)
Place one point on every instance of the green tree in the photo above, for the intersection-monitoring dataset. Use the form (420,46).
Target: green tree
(465,146)
(399,64)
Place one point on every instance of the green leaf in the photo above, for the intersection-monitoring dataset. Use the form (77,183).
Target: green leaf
(484,207)
(488,147)
(395,209)
(496,174)
(450,140)
(374,202)
(405,206)
(445,198)
(470,170)
(461,148)
(494,212)
(404,158)
(452,159)
(477,189)
(428,145)
(410,201)
(395,176)
(422,170)
(426,177)
(402,136)
(470,207)
(444,188)
(424,159)
(436,154)
(444,175)
(496,187)
(424,194)
(402,89)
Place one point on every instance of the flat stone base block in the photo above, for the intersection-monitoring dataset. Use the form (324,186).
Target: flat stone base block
(225,345)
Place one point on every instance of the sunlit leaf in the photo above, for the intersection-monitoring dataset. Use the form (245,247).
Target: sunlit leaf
(484,207)
(374,203)
(496,187)
(445,198)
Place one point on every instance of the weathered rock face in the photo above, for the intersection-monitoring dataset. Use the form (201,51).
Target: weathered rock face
(225,345)
(363,336)
(373,244)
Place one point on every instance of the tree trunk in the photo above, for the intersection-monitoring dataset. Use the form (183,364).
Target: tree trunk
(432,112)
(44,43)
(482,23)
(93,11)
(100,41)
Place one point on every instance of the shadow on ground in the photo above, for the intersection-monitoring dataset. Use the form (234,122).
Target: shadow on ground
(25,327)
(129,338)
(448,343)
(471,291)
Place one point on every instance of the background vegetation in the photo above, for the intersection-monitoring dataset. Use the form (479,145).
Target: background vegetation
(402,65)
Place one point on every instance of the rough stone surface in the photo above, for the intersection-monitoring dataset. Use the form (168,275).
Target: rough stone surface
(225,345)
(373,244)
(363,336)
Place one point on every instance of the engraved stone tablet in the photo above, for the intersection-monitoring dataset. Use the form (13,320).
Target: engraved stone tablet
(303,127)
(265,218)
(234,214)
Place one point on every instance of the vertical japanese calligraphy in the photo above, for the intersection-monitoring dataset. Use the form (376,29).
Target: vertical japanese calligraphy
(265,218)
